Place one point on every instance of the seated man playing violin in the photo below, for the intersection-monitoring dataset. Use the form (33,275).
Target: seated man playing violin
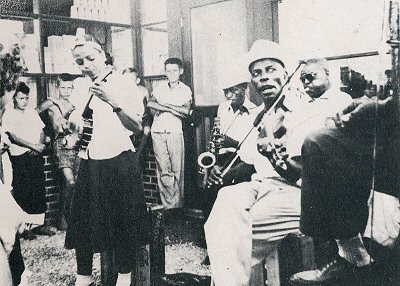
(249,219)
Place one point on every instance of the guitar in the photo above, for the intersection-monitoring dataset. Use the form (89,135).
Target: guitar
(85,135)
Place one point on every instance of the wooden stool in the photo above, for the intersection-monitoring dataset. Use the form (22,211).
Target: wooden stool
(295,253)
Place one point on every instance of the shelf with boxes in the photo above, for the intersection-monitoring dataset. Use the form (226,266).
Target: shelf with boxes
(12,15)
(112,11)
(57,18)
(45,32)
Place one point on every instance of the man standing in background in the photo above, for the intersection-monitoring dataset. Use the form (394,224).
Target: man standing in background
(171,103)
(65,155)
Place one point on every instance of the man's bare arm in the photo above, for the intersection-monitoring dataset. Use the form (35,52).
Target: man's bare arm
(154,105)
(37,148)
(183,110)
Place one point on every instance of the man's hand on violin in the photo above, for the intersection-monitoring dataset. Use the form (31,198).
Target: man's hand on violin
(225,141)
(274,137)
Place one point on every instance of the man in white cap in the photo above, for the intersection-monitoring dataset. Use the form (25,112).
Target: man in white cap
(249,219)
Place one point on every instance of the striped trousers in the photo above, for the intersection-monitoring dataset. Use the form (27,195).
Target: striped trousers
(246,222)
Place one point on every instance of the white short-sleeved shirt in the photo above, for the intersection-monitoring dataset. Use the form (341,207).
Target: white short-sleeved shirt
(178,96)
(110,138)
(237,124)
(314,116)
(26,125)
(307,116)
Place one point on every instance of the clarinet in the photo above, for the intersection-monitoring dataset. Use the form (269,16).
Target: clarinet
(87,131)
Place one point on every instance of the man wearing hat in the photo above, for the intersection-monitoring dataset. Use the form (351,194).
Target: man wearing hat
(236,116)
(249,219)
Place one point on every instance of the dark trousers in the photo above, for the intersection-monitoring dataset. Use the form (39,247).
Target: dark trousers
(338,171)
(28,183)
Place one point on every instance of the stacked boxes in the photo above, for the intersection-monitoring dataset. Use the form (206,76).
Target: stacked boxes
(58,56)
(102,10)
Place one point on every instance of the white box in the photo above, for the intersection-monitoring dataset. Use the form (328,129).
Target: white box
(48,60)
(74,11)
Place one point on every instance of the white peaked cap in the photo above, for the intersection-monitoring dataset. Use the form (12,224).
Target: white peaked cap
(265,49)
(234,72)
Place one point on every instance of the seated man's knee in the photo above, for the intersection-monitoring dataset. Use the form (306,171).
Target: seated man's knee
(227,196)
(311,143)
(235,198)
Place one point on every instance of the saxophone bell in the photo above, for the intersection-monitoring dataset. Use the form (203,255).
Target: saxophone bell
(206,160)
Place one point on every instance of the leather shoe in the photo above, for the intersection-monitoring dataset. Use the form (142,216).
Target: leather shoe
(43,230)
(338,269)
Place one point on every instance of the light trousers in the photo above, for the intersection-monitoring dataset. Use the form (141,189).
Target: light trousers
(169,151)
(246,223)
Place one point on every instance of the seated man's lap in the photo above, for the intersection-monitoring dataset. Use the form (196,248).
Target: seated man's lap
(273,205)
(276,212)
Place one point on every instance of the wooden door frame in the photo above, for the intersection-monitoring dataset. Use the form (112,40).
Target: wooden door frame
(180,45)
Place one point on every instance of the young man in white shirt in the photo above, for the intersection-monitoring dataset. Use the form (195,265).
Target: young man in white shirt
(170,104)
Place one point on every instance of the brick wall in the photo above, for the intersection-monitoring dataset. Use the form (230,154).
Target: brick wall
(52,183)
(52,186)
(149,176)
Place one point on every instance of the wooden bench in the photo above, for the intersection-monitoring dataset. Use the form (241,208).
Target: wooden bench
(295,253)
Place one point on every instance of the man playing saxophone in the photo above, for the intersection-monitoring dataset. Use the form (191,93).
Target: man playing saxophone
(235,117)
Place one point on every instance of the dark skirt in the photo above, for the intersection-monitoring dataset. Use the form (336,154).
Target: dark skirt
(28,183)
(108,209)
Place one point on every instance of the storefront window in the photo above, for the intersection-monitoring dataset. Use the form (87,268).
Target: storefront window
(22,33)
(154,36)
(122,47)
(347,32)
(216,41)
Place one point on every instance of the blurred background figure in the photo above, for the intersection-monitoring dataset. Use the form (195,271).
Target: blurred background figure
(23,128)
(11,221)
(140,141)
(65,155)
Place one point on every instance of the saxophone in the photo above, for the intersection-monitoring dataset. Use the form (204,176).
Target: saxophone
(207,160)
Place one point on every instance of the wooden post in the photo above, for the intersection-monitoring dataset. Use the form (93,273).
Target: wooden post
(150,258)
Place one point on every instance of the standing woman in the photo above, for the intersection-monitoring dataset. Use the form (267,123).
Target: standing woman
(108,207)
(24,129)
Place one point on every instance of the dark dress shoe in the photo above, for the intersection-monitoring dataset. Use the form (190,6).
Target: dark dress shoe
(28,234)
(338,269)
(44,230)
(185,279)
